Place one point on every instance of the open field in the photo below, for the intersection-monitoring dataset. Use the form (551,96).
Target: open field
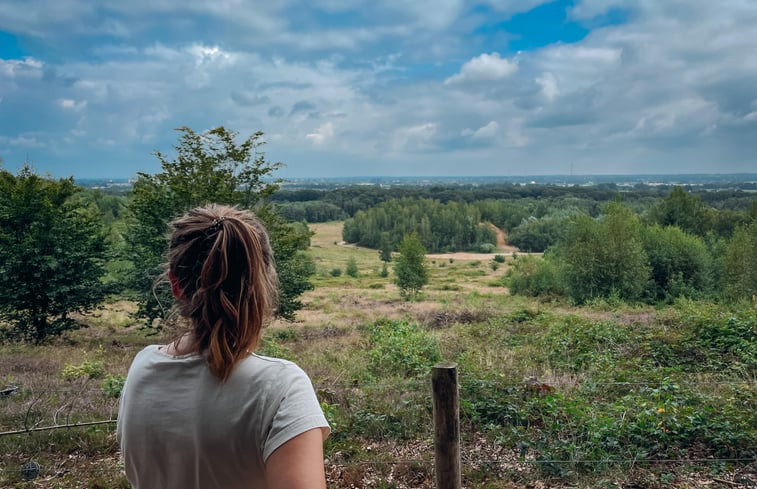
(552,395)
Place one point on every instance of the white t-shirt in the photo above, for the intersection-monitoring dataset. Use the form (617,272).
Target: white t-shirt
(180,427)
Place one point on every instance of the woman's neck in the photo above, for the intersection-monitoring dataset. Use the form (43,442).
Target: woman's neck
(185,345)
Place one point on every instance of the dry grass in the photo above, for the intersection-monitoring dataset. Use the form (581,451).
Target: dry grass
(327,339)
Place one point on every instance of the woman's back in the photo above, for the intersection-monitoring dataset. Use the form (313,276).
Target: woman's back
(203,411)
(201,433)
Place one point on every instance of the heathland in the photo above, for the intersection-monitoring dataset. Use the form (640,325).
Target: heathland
(605,336)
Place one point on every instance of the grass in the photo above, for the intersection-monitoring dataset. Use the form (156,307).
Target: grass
(544,386)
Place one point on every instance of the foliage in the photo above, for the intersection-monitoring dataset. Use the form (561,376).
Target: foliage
(385,247)
(410,270)
(534,276)
(311,211)
(87,369)
(336,272)
(401,348)
(680,264)
(740,277)
(605,257)
(536,235)
(210,167)
(684,210)
(51,255)
(112,385)
(440,227)
(351,268)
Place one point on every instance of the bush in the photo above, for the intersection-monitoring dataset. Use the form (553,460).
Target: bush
(351,269)
(740,274)
(679,263)
(336,272)
(401,348)
(534,276)
(499,258)
(113,385)
(87,369)
(605,257)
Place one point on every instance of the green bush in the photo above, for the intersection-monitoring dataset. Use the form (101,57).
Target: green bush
(401,348)
(112,385)
(336,272)
(499,258)
(605,257)
(534,276)
(87,369)
(679,262)
(351,269)
(740,277)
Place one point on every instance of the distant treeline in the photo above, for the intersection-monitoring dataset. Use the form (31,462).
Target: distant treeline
(534,216)
(441,227)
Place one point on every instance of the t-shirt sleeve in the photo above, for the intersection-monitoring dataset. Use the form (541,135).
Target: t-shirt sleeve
(298,411)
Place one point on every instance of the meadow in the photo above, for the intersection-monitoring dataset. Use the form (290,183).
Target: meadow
(552,395)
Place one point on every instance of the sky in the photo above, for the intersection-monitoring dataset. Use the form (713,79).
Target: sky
(384,88)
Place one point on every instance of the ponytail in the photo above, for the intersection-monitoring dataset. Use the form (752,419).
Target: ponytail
(223,263)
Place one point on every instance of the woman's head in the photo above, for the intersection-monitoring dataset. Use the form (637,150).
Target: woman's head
(222,270)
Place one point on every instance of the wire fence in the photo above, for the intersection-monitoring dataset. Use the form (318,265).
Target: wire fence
(66,405)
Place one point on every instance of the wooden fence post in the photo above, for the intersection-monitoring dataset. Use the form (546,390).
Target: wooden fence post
(446,426)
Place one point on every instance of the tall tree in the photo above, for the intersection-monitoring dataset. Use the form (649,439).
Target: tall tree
(210,167)
(741,264)
(410,269)
(606,256)
(51,255)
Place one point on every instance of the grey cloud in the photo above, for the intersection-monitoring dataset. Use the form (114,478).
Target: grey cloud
(276,111)
(302,106)
(247,99)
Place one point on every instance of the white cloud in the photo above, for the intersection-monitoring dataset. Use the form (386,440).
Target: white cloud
(70,104)
(548,84)
(414,138)
(487,131)
(483,68)
(323,133)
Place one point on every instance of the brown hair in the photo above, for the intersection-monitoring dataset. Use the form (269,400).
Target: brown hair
(222,262)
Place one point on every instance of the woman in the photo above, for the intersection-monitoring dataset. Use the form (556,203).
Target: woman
(205,411)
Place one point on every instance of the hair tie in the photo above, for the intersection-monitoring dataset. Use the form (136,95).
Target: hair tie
(216,225)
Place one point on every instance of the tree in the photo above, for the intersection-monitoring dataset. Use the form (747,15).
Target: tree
(410,269)
(210,167)
(740,275)
(51,255)
(385,247)
(605,257)
(680,264)
(684,210)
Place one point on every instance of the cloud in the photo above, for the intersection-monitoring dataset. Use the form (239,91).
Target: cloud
(488,131)
(74,105)
(483,68)
(399,88)
(324,132)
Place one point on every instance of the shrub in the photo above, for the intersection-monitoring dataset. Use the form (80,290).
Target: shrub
(499,258)
(86,369)
(740,277)
(605,257)
(401,348)
(336,272)
(679,263)
(534,276)
(351,269)
(112,385)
